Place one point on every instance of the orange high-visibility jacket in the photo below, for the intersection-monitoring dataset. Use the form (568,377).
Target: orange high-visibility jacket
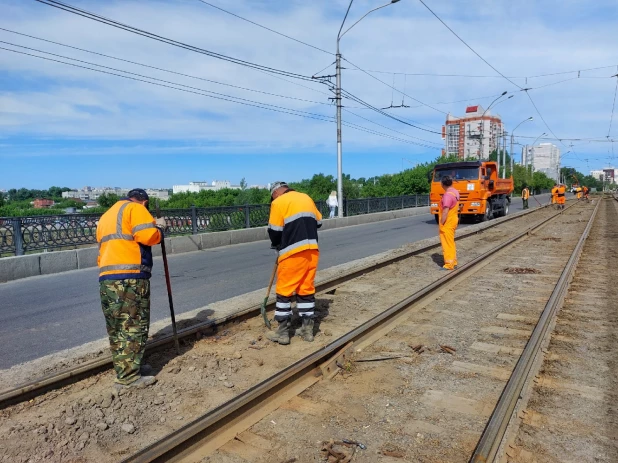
(525,193)
(293,223)
(125,234)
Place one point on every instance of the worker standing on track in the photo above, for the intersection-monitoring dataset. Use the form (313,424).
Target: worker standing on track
(578,191)
(554,194)
(586,192)
(293,230)
(561,196)
(448,210)
(525,195)
(125,234)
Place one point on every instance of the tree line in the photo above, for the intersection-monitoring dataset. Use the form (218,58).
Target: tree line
(416,180)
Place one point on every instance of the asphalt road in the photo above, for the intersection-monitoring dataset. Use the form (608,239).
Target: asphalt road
(46,314)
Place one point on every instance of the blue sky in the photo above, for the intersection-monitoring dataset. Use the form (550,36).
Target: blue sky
(67,126)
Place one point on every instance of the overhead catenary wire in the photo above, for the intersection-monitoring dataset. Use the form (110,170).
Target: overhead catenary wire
(161,69)
(611,118)
(113,23)
(259,105)
(466,44)
(267,28)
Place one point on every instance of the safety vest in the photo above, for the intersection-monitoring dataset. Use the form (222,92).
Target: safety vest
(125,234)
(452,218)
(293,223)
(525,193)
(561,190)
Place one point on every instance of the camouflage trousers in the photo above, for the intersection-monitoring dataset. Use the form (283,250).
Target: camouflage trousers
(126,306)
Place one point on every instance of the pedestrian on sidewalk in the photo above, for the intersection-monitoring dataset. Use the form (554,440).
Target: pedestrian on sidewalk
(125,234)
(332,203)
(525,195)
(448,219)
(293,230)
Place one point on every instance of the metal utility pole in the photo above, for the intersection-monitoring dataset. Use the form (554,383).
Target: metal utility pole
(503,153)
(512,132)
(338,100)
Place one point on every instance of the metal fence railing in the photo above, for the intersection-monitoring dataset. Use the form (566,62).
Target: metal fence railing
(20,235)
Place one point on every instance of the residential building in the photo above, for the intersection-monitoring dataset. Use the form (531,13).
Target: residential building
(92,194)
(543,158)
(196,187)
(607,175)
(476,134)
(40,203)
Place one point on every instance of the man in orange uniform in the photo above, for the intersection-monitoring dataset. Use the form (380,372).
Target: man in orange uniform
(561,196)
(554,194)
(525,196)
(293,230)
(586,191)
(125,234)
(447,222)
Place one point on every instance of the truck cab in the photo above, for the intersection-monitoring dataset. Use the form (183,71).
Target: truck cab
(481,193)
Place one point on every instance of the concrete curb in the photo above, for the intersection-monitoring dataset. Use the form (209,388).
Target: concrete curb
(18,267)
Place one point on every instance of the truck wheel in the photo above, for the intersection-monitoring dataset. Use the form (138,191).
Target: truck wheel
(506,209)
(489,213)
(437,217)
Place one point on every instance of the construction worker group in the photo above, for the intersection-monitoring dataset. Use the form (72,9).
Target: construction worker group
(127,231)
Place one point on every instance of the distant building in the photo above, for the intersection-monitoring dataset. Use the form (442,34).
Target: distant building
(468,135)
(40,203)
(92,194)
(607,175)
(543,158)
(196,187)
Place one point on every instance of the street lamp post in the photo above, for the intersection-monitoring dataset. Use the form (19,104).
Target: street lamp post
(533,151)
(483,122)
(338,99)
(512,132)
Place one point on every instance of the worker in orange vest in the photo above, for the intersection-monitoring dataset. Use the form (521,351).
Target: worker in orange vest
(448,210)
(554,194)
(561,196)
(586,191)
(525,195)
(293,230)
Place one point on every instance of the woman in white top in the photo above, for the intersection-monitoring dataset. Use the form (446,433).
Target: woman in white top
(332,203)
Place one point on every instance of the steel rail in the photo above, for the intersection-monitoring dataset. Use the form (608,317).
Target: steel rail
(491,439)
(186,440)
(53,381)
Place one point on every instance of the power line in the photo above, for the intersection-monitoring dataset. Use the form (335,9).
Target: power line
(613,106)
(267,28)
(464,42)
(156,68)
(259,105)
(150,35)
(187,89)
(379,111)
(390,86)
(542,118)
(387,128)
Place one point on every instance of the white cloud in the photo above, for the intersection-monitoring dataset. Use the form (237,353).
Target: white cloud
(51,100)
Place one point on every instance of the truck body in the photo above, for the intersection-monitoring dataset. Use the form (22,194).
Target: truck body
(482,194)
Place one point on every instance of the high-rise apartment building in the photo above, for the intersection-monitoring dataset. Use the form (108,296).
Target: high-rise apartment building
(543,158)
(475,135)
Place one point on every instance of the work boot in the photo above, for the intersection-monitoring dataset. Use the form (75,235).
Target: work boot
(140,383)
(282,335)
(306,330)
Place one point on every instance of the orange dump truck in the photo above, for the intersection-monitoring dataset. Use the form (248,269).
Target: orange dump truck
(482,193)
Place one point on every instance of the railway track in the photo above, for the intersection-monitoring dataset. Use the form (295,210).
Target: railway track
(568,412)
(435,377)
(386,313)
(39,386)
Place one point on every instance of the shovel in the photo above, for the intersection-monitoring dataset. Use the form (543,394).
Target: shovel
(270,285)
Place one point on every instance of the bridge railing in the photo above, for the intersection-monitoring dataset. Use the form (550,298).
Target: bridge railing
(21,235)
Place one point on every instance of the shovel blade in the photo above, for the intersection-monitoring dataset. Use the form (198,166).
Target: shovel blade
(263,311)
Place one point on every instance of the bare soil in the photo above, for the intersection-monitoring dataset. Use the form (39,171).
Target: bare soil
(88,422)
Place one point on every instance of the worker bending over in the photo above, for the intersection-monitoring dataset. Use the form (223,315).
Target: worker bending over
(561,196)
(448,219)
(293,230)
(554,194)
(125,234)
(525,195)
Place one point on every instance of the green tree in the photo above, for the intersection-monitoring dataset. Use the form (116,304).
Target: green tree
(107,200)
